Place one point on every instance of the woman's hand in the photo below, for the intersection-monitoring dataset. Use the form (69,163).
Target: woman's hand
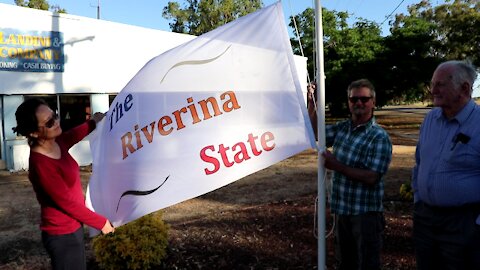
(311,91)
(108,227)
(98,116)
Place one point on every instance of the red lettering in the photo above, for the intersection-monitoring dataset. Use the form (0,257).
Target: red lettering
(209,159)
(127,144)
(139,140)
(267,137)
(251,140)
(178,117)
(206,109)
(242,154)
(162,123)
(232,102)
(223,152)
(149,135)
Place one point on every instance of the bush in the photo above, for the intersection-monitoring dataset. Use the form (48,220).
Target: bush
(140,244)
(406,191)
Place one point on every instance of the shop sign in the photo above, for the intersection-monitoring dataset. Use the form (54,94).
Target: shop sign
(31,51)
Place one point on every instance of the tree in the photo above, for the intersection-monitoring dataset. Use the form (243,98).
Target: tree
(347,50)
(407,61)
(420,40)
(399,65)
(58,9)
(350,55)
(36,4)
(40,4)
(456,27)
(305,26)
(201,16)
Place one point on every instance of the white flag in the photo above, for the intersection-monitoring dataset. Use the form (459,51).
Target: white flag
(198,117)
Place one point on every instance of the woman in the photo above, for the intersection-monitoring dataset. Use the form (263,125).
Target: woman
(55,177)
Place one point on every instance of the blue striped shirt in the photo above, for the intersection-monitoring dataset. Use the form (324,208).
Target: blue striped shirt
(447,171)
(368,147)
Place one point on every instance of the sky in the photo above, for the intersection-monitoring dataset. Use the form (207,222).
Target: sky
(148,13)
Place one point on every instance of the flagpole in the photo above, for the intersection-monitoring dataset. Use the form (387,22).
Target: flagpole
(321,190)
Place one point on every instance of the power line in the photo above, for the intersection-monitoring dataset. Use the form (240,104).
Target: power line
(392,12)
(359,4)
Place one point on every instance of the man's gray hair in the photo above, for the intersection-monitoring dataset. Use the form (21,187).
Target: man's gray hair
(465,71)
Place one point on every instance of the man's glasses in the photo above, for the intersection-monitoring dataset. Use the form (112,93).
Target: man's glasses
(362,99)
(51,122)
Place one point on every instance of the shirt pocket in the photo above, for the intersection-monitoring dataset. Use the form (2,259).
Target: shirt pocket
(463,156)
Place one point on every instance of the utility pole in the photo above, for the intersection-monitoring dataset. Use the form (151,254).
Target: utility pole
(98,10)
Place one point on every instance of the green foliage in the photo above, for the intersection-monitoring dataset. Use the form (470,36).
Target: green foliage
(347,51)
(422,39)
(306,33)
(201,16)
(408,61)
(36,4)
(58,9)
(406,191)
(140,244)
(40,4)
(399,65)
(453,27)
(456,27)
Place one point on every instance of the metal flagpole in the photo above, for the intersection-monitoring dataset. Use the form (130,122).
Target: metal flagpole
(321,190)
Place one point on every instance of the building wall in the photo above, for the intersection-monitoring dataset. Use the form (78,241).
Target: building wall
(100,56)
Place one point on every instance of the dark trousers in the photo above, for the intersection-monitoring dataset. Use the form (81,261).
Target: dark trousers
(358,241)
(66,251)
(446,238)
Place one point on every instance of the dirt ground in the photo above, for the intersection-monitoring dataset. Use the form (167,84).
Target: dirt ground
(264,221)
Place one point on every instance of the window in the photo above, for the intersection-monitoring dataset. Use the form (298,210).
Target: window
(111,98)
(74,110)
(50,99)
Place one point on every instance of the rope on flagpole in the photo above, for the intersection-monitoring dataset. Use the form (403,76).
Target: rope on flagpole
(315,232)
(298,36)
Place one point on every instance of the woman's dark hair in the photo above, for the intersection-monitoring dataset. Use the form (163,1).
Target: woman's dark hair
(26,116)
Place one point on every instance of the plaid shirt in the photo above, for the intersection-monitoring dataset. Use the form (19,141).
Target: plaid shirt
(368,147)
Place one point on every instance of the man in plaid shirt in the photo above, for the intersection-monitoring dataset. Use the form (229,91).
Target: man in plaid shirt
(362,152)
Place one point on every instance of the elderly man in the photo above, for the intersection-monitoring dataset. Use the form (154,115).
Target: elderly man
(446,177)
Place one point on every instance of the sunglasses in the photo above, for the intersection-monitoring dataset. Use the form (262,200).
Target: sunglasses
(362,99)
(51,122)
